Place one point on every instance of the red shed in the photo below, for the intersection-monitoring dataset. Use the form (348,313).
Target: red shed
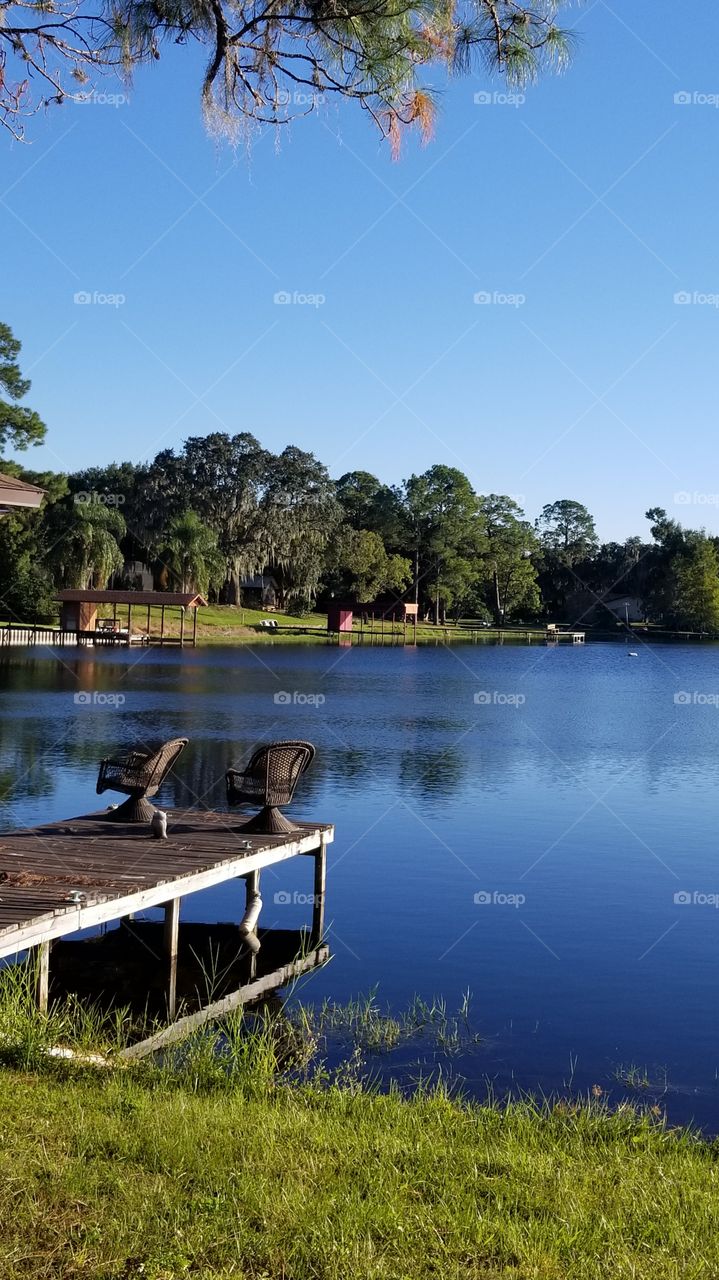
(339,618)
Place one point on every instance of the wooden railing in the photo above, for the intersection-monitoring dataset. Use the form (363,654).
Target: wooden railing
(15,633)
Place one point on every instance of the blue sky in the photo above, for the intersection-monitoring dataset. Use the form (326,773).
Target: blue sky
(594,201)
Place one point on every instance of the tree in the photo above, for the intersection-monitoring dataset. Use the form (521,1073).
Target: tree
(299,514)
(26,589)
(369,504)
(567,530)
(567,544)
(191,553)
(19,426)
(510,544)
(222,477)
(80,543)
(696,586)
(664,557)
(370,569)
(445,534)
(268,64)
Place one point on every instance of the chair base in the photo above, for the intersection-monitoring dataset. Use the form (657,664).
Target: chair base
(270,822)
(135,809)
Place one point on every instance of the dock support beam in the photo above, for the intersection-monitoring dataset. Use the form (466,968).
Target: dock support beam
(43,976)
(253,905)
(171,935)
(318,902)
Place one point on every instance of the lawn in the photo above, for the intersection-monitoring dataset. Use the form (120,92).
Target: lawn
(242,1156)
(109,1176)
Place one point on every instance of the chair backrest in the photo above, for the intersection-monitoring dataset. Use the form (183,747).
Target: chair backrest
(279,765)
(160,762)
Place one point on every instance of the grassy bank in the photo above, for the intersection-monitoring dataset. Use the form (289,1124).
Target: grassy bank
(220,1165)
(111,1177)
(233,624)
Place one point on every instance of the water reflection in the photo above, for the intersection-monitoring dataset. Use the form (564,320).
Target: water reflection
(594,795)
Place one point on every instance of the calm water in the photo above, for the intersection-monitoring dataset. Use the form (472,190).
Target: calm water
(528,846)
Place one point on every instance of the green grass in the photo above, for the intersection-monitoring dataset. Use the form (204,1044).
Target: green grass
(232,624)
(216,1164)
(110,1177)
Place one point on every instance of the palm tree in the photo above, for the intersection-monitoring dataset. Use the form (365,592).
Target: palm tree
(191,553)
(82,543)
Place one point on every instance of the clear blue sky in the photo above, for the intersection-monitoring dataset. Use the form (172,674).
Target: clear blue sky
(599,387)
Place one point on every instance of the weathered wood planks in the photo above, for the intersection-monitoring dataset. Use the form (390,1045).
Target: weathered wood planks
(66,876)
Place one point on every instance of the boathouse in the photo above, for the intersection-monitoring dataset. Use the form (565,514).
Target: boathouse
(79,614)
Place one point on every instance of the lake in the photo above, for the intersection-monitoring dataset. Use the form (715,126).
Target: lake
(537,825)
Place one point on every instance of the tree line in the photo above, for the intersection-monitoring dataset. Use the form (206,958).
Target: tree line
(222,509)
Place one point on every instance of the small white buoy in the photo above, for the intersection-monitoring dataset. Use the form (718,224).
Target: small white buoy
(632,654)
(158,825)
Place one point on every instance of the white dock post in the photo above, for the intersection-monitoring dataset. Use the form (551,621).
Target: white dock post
(253,907)
(320,882)
(43,976)
(171,935)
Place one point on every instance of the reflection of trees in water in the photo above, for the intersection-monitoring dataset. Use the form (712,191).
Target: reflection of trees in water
(428,755)
(26,770)
(199,776)
(432,773)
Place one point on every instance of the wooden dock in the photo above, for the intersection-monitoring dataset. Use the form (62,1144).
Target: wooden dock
(67,876)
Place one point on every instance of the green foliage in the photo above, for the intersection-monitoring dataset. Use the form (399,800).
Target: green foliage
(567,531)
(696,586)
(377,56)
(370,569)
(510,545)
(80,542)
(446,533)
(19,426)
(222,509)
(191,554)
(369,504)
(298,516)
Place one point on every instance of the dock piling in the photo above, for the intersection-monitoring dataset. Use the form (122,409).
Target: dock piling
(318,900)
(171,936)
(43,976)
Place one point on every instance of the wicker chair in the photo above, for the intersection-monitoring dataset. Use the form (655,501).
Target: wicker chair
(270,779)
(138,774)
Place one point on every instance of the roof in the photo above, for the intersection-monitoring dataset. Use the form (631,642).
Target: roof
(17,493)
(188,599)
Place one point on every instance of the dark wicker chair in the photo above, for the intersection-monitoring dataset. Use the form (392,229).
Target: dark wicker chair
(138,774)
(270,779)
